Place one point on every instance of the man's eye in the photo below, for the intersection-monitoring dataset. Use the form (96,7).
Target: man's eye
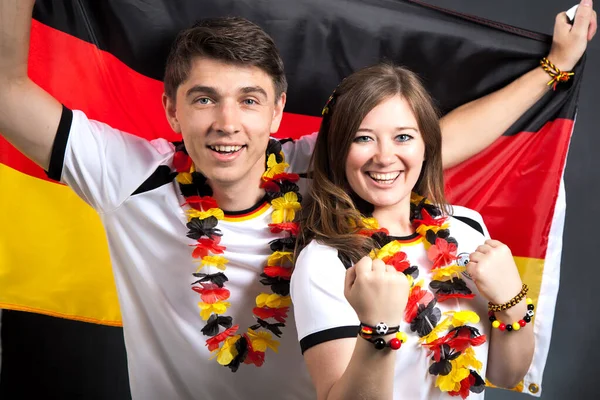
(203,100)
(249,102)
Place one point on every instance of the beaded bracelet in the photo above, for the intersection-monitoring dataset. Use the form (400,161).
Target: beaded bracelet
(511,303)
(556,74)
(381,329)
(516,325)
(394,343)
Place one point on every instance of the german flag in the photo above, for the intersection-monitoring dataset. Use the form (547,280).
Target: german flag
(107,59)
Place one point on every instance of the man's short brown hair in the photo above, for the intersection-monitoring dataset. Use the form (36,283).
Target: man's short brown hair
(232,40)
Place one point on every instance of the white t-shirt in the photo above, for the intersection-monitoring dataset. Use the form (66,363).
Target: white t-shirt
(323,313)
(129,181)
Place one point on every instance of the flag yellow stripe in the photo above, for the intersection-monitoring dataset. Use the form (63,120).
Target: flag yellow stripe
(531,270)
(39,273)
(54,259)
(518,388)
(19,307)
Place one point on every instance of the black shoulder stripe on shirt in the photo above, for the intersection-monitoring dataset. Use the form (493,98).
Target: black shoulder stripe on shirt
(340,332)
(471,222)
(161,176)
(346,262)
(59,147)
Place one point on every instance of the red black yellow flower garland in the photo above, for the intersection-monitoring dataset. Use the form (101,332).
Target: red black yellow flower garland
(230,348)
(454,362)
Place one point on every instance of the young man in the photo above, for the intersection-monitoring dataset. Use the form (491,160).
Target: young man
(225,91)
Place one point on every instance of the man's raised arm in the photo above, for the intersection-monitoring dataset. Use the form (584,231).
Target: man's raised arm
(29,116)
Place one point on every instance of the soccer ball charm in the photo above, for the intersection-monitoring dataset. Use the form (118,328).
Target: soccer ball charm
(463,259)
(381,328)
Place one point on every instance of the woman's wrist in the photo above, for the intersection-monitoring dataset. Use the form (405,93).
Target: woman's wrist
(513,314)
(509,294)
(381,335)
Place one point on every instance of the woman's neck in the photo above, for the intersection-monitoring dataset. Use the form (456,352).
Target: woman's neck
(395,219)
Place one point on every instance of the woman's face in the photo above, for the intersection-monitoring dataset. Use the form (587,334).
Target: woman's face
(386,155)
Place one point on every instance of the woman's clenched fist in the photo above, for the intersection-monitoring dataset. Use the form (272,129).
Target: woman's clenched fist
(494,272)
(377,292)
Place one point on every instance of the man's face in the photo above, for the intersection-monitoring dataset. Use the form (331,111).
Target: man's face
(226,114)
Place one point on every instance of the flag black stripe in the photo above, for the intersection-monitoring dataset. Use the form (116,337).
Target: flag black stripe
(55,358)
(321,42)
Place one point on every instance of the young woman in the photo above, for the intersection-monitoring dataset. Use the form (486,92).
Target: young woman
(390,290)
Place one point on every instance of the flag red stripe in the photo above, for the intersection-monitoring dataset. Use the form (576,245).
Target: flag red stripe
(514,185)
(106,90)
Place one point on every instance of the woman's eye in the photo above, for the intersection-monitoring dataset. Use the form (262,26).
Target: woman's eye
(362,139)
(403,138)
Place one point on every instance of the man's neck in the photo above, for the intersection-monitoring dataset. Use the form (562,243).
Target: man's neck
(240,195)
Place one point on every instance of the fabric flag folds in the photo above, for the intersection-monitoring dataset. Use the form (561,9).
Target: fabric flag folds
(107,59)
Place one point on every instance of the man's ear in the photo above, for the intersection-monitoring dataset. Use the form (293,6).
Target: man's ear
(171,112)
(278,113)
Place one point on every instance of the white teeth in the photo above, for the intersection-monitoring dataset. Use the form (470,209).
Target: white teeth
(226,149)
(390,176)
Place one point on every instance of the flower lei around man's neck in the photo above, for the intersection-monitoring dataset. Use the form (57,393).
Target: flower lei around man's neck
(454,362)
(230,348)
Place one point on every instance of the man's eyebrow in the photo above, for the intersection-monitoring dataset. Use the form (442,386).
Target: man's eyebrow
(254,89)
(199,89)
(211,91)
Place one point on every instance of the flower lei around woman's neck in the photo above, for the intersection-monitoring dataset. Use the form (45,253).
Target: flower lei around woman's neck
(231,348)
(454,362)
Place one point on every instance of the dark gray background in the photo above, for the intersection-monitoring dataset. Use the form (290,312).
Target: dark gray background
(571,371)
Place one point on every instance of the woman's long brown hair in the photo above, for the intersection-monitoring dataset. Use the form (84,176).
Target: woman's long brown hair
(333,213)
